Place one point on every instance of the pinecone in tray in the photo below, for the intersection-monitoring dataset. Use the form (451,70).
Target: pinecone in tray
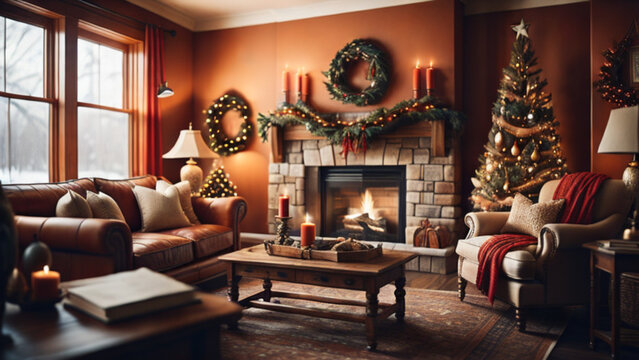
(350,245)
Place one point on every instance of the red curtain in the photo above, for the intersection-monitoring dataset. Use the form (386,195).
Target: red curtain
(154,65)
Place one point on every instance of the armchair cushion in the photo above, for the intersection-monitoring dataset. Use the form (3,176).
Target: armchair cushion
(528,218)
(518,264)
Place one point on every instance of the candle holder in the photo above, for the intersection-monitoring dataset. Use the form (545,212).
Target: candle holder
(299,96)
(285,97)
(282,231)
(416,94)
(429,92)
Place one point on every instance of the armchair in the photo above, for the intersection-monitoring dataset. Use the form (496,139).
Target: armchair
(554,272)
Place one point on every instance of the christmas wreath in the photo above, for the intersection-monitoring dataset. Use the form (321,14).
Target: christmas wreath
(378,73)
(610,85)
(355,135)
(220,143)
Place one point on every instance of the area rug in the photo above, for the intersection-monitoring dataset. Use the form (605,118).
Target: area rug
(437,326)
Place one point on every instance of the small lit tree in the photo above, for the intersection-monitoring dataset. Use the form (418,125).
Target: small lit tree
(217,184)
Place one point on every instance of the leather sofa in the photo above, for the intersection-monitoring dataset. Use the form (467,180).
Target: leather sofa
(89,247)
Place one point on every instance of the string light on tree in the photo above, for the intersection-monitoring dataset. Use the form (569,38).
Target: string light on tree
(523,150)
(217,184)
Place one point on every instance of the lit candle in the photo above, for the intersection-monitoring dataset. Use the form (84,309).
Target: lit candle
(304,85)
(285,79)
(299,81)
(283,209)
(416,76)
(44,284)
(307,233)
(429,76)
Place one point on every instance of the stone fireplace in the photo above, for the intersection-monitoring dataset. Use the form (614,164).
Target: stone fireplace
(430,183)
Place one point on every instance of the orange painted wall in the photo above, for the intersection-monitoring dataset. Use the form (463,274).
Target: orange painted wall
(610,19)
(250,60)
(560,39)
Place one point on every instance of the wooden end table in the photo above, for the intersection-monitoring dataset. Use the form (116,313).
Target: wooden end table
(190,331)
(613,261)
(368,276)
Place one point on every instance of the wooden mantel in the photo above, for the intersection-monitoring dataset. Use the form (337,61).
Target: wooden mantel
(433,129)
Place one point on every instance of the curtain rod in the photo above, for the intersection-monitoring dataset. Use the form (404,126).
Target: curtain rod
(173,33)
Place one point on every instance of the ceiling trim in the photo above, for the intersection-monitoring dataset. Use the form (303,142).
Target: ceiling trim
(476,7)
(166,12)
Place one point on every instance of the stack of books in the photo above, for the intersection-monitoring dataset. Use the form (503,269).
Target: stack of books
(619,244)
(126,294)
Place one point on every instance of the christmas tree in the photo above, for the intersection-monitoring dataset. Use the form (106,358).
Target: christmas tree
(523,149)
(217,184)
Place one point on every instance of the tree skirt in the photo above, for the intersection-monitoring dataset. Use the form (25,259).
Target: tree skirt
(437,326)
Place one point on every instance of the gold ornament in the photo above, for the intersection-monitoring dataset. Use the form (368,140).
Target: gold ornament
(531,169)
(490,167)
(506,185)
(515,150)
(535,156)
(499,139)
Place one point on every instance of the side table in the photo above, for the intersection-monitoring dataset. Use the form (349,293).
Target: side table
(613,261)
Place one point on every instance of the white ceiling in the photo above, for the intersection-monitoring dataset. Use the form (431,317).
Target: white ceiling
(204,15)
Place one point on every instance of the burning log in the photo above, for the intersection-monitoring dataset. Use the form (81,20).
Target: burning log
(360,221)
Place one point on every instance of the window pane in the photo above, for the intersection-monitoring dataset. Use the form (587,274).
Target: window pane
(88,71)
(4,140)
(25,58)
(111,76)
(28,142)
(103,143)
(2,69)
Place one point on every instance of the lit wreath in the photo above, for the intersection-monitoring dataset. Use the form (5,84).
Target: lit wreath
(610,85)
(220,143)
(378,73)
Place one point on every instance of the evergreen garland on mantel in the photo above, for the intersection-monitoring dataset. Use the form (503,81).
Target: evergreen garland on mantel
(355,135)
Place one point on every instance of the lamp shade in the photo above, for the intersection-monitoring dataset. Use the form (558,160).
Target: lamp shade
(622,132)
(190,145)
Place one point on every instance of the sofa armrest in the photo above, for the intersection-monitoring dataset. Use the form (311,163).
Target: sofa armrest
(485,223)
(227,211)
(554,237)
(103,237)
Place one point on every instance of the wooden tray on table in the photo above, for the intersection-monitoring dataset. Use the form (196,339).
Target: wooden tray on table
(330,255)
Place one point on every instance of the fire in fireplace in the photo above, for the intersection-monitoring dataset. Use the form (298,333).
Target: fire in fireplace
(366,203)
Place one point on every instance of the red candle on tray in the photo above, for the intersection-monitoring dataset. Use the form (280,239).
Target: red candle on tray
(429,76)
(44,284)
(307,233)
(283,209)
(416,73)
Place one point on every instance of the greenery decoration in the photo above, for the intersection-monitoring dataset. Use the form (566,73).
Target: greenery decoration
(611,85)
(523,149)
(220,143)
(355,135)
(379,71)
(217,184)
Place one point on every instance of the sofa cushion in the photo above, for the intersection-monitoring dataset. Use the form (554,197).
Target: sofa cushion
(73,205)
(207,239)
(160,210)
(161,252)
(184,189)
(41,199)
(518,264)
(103,206)
(122,192)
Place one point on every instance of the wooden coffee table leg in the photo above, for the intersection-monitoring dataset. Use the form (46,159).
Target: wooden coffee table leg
(371,318)
(400,294)
(233,291)
(267,285)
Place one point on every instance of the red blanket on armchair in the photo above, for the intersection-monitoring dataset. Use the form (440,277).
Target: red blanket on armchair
(579,190)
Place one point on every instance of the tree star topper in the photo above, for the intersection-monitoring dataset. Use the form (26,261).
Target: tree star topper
(521,29)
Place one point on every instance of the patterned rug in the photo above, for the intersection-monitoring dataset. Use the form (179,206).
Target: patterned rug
(437,326)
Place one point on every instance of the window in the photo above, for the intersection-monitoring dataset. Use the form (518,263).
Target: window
(103,117)
(25,108)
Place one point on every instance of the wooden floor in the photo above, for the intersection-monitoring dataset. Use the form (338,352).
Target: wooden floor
(573,344)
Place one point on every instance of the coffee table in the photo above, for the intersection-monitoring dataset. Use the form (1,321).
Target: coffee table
(368,276)
(190,331)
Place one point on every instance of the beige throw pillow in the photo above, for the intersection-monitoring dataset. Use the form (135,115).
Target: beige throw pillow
(528,218)
(103,206)
(160,210)
(72,204)
(184,190)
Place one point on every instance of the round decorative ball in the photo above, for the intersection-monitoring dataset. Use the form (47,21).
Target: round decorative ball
(35,257)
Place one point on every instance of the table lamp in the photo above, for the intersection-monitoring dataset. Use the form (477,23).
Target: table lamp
(622,137)
(190,145)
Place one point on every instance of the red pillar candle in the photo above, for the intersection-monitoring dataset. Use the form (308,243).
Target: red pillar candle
(283,209)
(429,76)
(285,79)
(307,233)
(45,284)
(416,76)
(304,85)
